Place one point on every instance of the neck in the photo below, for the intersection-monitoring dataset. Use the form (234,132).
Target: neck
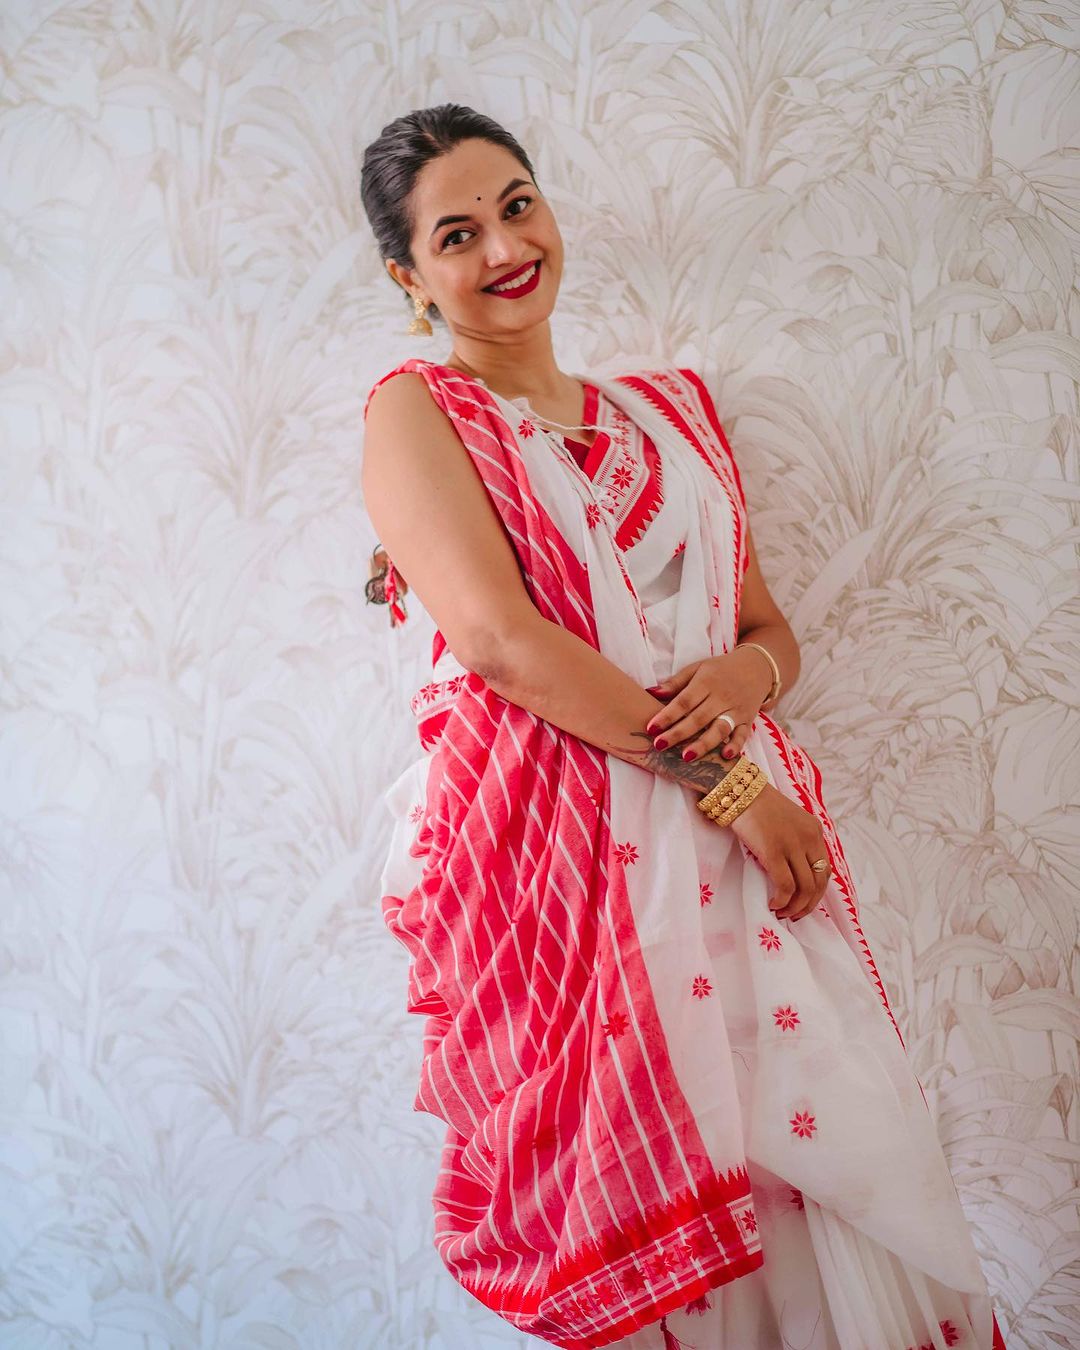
(512,366)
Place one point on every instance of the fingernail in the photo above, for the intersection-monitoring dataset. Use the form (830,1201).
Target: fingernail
(729,753)
(689,755)
(659,743)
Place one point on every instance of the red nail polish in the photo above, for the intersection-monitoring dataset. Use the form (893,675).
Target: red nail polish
(659,743)
(689,755)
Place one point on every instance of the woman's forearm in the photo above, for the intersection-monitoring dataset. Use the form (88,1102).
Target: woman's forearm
(782,645)
(554,674)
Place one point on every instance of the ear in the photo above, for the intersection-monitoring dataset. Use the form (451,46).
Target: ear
(404,276)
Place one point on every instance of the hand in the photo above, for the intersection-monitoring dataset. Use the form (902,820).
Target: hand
(785,839)
(700,692)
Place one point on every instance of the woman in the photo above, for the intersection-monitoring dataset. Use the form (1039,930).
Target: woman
(679,1109)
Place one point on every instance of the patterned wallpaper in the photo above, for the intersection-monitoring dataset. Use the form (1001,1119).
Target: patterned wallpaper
(859,223)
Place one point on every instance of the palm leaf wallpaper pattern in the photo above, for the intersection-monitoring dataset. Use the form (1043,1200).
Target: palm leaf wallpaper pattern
(860,222)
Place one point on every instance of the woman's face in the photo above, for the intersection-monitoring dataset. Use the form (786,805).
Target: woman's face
(500,222)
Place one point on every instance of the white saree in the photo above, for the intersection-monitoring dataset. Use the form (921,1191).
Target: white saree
(779,1033)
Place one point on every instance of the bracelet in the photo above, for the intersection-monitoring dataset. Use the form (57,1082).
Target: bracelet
(734,793)
(722,794)
(774,692)
(743,801)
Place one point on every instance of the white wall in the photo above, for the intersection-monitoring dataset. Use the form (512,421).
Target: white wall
(859,223)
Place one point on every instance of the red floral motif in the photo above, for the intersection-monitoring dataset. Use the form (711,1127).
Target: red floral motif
(626,853)
(526,428)
(592,515)
(427,691)
(656,1266)
(676,1254)
(616,1024)
(679,548)
(457,683)
(769,939)
(716,602)
(749,1221)
(622,478)
(796,1199)
(588,1302)
(632,1279)
(802,1124)
(949,1333)
(706,893)
(607,1291)
(701,1244)
(787,1019)
(700,1305)
(416,814)
(702,988)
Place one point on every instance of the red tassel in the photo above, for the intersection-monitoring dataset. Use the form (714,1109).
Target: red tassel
(671,1341)
(397,609)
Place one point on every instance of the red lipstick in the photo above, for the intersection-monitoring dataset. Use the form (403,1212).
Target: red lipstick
(515,291)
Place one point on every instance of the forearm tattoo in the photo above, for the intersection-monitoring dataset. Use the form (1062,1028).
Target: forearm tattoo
(701,773)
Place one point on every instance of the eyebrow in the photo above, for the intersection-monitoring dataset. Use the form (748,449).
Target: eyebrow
(454,220)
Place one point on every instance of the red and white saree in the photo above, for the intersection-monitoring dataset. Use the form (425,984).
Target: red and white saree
(661,1100)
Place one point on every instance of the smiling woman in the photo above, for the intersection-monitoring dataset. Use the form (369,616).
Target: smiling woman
(677,1101)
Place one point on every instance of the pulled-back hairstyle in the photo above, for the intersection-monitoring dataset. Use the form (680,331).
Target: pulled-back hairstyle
(393,161)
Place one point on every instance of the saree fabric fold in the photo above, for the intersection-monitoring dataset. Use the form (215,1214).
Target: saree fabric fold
(554,901)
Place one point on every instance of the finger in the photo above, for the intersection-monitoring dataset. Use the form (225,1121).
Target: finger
(737,740)
(821,877)
(669,720)
(805,889)
(703,732)
(783,884)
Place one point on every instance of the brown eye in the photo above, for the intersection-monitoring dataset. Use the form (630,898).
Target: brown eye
(448,241)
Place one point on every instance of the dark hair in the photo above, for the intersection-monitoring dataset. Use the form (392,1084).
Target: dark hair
(392,163)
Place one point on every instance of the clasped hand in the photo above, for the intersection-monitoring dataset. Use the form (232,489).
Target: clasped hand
(696,696)
(783,837)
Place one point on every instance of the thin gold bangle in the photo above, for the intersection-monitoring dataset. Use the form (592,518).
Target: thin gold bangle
(774,691)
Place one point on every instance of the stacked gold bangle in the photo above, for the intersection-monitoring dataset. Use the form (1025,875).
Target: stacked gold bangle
(734,793)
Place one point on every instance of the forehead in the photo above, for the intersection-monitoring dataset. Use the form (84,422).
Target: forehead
(452,182)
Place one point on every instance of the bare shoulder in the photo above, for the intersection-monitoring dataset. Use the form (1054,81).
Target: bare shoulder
(404,425)
(396,390)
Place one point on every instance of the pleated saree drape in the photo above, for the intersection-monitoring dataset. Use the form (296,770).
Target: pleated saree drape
(595,1170)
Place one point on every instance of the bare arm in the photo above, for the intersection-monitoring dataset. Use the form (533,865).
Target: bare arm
(433,514)
(760,620)
(439,525)
(597,702)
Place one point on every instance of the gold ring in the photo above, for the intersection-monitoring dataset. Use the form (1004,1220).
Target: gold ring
(822,865)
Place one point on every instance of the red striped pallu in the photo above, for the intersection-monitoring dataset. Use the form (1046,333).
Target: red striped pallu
(594,1175)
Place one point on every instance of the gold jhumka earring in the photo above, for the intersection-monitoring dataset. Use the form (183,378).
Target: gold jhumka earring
(420,327)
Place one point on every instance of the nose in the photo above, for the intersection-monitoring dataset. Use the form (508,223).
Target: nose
(503,247)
